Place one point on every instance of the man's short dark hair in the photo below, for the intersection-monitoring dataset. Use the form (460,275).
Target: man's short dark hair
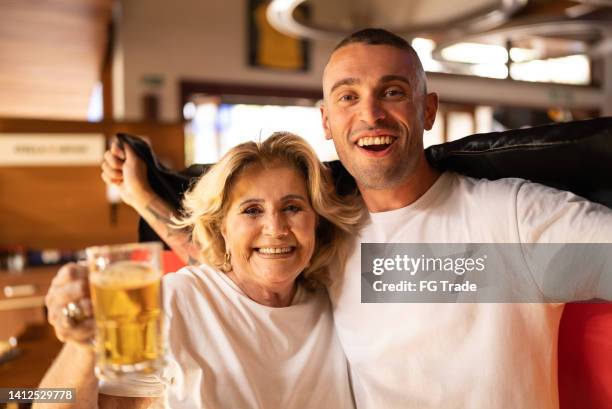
(375,36)
(380,36)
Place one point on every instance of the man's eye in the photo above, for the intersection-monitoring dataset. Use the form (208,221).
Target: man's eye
(347,98)
(394,93)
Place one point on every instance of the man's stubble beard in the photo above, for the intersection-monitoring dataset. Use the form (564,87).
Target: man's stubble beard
(376,177)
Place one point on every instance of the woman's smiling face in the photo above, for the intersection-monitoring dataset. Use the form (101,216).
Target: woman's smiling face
(269,227)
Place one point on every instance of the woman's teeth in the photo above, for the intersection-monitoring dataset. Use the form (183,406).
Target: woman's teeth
(375,140)
(270,250)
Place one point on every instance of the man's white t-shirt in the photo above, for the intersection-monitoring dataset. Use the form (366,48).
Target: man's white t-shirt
(476,356)
(227,351)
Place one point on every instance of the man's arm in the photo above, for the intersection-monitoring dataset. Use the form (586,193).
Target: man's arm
(566,243)
(158,214)
(124,169)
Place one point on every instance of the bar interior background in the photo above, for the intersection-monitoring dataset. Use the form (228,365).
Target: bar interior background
(201,77)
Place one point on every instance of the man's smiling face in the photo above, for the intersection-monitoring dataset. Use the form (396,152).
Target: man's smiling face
(375,109)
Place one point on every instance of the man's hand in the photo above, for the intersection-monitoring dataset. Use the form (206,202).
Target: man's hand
(123,168)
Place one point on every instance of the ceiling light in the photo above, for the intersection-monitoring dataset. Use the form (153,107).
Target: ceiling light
(474,53)
(335,19)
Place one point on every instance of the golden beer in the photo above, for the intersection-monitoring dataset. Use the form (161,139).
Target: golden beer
(126,297)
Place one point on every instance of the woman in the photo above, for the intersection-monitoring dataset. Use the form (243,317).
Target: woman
(252,327)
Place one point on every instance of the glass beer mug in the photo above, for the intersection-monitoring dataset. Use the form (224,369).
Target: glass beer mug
(125,283)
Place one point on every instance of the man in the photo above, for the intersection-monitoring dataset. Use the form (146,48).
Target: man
(376,107)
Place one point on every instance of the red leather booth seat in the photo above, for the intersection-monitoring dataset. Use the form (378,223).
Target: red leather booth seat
(585,356)
(171,262)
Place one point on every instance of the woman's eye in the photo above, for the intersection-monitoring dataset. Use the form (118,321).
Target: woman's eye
(251,211)
(293,208)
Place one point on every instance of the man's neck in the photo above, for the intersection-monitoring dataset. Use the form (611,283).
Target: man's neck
(407,192)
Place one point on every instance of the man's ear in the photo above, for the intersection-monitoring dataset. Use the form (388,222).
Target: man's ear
(325,121)
(431,108)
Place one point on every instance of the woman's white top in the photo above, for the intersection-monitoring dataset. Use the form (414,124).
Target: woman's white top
(227,351)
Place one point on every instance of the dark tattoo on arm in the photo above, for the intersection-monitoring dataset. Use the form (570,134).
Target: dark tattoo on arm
(158,215)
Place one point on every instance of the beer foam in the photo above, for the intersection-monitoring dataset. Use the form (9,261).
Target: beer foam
(125,274)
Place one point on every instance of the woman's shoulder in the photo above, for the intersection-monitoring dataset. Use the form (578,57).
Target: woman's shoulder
(193,288)
(190,279)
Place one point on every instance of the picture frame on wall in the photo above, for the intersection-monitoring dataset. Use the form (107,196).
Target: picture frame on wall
(271,49)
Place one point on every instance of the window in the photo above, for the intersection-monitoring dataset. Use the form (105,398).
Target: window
(216,127)
(491,61)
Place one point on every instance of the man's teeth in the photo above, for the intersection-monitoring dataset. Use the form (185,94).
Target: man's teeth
(270,250)
(375,140)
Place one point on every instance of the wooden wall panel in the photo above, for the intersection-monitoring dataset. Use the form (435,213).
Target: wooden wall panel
(52,55)
(65,206)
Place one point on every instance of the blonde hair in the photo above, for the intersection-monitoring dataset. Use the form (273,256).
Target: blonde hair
(206,204)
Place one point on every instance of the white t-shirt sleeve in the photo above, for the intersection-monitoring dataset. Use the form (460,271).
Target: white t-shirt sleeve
(146,386)
(569,272)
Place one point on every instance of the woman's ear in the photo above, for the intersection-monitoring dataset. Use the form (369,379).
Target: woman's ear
(223,231)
